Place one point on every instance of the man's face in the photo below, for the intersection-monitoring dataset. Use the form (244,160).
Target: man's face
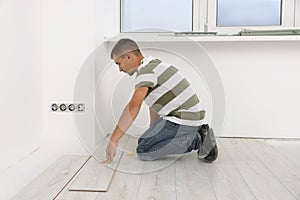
(126,64)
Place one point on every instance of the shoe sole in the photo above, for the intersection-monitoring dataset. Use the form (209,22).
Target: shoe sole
(208,152)
(212,156)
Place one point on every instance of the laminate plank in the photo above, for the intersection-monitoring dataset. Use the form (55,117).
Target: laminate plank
(260,179)
(96,176)
(52,181)
(88,195)
(78,195)
(159,184)
(130,163)
(192,180)
(139,179)
(126,181)
(287,148)
(226,180)
(287,172)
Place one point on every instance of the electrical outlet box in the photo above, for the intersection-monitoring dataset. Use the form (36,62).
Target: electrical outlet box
(67,107)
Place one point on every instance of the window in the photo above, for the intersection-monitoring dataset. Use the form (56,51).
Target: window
(230,16)
(156,15)
(248,13)
(222,16)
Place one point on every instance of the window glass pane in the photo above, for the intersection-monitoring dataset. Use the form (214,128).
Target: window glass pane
(154,15)
(249,12)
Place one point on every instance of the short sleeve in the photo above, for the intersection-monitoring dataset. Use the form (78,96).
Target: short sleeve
(145,80)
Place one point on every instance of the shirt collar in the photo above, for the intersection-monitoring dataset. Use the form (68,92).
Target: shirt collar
(145,61)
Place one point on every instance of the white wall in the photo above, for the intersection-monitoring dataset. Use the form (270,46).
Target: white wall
(20,79)
(261,81)
(71,30)
(261,84)
(43,47)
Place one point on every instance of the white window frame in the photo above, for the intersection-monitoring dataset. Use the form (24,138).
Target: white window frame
(118,4)
(199,15)
(204,17)
(112,26)
(287,20)
(297,13)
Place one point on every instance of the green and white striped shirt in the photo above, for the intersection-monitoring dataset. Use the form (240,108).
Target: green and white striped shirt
(170,94)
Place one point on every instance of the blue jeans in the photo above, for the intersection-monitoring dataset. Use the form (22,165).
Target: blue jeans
(165,138)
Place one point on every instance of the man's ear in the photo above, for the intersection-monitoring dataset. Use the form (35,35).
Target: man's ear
(128,55)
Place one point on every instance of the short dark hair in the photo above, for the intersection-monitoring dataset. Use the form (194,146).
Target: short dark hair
(123,46)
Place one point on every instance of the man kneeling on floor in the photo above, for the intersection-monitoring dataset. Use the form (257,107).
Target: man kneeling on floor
(175,110)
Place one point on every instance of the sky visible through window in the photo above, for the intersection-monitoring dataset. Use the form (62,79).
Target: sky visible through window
(156,15)
(248,13)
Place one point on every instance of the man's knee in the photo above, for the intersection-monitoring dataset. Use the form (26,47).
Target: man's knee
(145,157)
(143,153)
(141,149)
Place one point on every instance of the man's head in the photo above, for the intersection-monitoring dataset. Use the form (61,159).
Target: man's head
(127,55)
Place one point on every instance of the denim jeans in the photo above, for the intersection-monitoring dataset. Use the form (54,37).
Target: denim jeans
(165,138)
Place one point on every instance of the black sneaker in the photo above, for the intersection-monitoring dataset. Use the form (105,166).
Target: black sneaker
(208,151)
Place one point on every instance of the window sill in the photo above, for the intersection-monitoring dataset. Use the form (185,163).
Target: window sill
(170,37)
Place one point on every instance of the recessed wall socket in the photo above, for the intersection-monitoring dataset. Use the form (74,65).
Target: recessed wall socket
(81,107)
(71,107)
(63,107)
(67,107)
(54,107)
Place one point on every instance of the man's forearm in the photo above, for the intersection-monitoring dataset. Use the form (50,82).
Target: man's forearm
(128,116)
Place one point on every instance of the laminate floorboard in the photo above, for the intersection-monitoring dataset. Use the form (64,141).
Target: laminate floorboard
(192,180)
(259,178)
(159,184)
(285,171)
(226,180)
(245,169)
(96,176)
(52,181)
(126,181)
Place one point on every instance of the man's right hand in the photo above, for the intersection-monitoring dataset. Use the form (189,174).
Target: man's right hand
(110,151)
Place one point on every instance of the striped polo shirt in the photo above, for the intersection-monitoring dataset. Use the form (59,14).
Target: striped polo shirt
(170,94)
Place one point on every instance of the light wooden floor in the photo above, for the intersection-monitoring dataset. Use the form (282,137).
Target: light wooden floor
(245,169)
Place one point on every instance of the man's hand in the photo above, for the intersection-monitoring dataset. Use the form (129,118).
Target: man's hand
(128,116)
(110,151)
